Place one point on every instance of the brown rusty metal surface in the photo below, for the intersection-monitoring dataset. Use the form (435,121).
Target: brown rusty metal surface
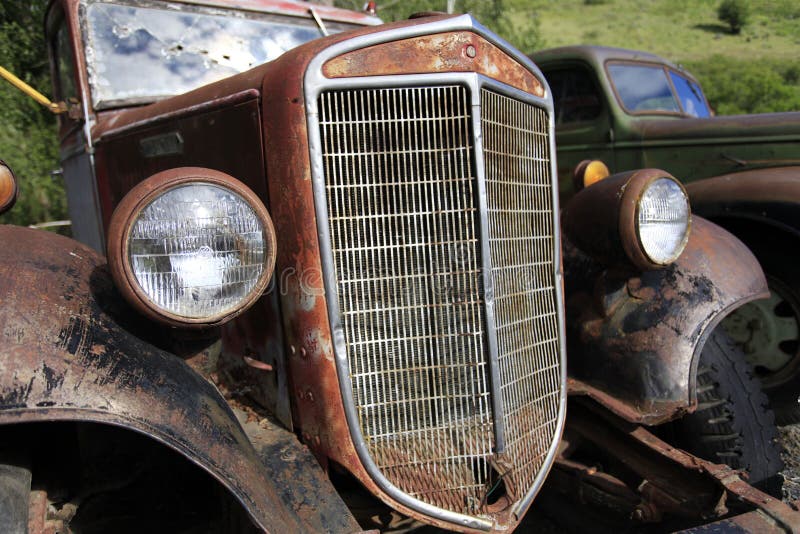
(672,470)
(446,52)
(669,485)
(785,515)
(314,387)
(620,407)
(307,489)
(316,399)
(291,7)
(771,196)
(591,486)
(70,352)
(748,523)
(636,336)
(128,211)
(668,482)
(213,135)
(258,334)
(780,184)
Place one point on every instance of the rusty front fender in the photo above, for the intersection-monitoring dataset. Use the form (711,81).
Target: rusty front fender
(634,338)
(770,196)
(68,354)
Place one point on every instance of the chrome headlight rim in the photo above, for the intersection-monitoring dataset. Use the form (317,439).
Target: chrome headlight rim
(141,197)
(630,208)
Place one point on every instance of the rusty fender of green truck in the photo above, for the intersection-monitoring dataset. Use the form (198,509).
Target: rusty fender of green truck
(635,337)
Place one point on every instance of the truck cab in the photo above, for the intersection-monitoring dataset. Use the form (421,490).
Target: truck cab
(634,109)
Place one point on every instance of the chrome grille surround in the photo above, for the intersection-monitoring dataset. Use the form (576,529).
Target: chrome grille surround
(430,426)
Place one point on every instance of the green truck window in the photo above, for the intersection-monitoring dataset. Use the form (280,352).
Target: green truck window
(690,95)
(575,95)
(643,88)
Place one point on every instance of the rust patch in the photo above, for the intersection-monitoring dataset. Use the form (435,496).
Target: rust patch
(633,337)
(446,52)
(81,359)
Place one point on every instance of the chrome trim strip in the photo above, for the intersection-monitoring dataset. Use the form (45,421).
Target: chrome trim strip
(498,411)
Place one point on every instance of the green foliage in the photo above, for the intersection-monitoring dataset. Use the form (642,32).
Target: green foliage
(735,13)
(735,86)
(28,131)
(513,20)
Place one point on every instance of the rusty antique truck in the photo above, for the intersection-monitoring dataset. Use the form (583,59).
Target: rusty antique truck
(633,109)
(316,285)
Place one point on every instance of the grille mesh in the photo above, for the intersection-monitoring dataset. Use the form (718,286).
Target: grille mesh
(521,241)
(402,199)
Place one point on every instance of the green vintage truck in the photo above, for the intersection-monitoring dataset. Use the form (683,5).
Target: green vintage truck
(633,109)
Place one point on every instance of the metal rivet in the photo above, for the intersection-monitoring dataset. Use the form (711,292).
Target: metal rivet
(303,352)
(471,52)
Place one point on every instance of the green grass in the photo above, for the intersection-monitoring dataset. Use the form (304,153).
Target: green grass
(680,30)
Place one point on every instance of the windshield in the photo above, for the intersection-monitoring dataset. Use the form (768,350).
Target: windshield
(649,88)
(643,88)
(690,96)
(140,54)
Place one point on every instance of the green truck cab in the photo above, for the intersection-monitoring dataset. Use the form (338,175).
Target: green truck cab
(633,109)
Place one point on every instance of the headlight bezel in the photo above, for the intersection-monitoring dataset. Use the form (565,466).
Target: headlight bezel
(143,195)
(630,204)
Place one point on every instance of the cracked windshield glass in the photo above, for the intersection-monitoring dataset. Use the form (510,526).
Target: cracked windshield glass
(140,54)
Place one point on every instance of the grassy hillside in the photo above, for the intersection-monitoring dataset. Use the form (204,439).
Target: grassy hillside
(756,71)
(682,30)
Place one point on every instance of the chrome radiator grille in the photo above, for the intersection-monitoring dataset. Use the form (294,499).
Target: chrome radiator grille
(403,202)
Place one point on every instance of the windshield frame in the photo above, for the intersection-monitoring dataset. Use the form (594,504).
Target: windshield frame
(668,72)
(100,102)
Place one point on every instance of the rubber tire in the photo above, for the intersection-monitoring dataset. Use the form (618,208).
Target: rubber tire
(15,487)
(733,423)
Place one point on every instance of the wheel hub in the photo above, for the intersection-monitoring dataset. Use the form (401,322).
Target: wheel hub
(767,331)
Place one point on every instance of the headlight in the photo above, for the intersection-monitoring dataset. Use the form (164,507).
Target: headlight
(8,187)
(191,246)
(642,215)
(663,220)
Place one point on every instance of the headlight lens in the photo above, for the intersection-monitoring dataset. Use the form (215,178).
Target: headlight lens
(663,220)
(191,246)
(197,250)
